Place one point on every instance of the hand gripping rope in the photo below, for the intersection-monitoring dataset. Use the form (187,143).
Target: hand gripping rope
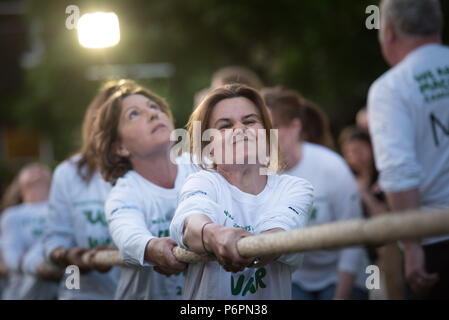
(380,230)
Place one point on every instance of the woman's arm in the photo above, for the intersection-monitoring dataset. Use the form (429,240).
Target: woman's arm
(13,247)
(201,235)
(128,229)
(59,234)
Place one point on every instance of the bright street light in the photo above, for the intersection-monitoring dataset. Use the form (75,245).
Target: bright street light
(98,30)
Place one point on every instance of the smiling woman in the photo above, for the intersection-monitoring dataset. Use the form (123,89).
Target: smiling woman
(220,205)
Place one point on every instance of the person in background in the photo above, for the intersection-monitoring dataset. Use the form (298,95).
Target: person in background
(76,224)
(10,198)
(230,75)
(356,148)
(361,120)
(324,274)
(408,119)
(316,127)
(22,227)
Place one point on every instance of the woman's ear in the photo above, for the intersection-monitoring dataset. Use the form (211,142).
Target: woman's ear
(297,125)
(389,34)
(121,150)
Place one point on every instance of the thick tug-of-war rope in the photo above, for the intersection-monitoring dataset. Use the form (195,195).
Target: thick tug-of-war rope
(380,230)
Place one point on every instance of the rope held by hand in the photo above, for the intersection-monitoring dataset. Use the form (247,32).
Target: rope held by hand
(382,229)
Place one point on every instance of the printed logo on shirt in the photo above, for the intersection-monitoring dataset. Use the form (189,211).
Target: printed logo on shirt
(437,126)
(162,220)
(95,242)
(434,84)
(248,228)
(313,214)
(294,210)
(35,225)
(37,232)
(124,208)
(179,288)
(163,233)
(227,214)
(88,202)
(94,218)
(193,193)
(244,284)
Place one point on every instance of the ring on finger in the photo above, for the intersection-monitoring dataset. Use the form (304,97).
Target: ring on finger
(256,262)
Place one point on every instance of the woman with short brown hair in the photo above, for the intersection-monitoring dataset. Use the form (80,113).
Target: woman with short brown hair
(229,200)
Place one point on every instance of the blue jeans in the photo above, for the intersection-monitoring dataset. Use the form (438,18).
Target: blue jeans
(327,293)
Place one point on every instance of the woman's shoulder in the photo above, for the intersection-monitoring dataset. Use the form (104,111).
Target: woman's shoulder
(204,181)
(67,168)
(186,164)
(128,181)
(126,190)
(11,213)
(205,175)
(287,182)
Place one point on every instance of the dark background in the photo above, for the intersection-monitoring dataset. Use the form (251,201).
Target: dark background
(320,48)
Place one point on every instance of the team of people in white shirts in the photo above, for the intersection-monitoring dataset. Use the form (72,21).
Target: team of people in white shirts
(122,189)
(144,204)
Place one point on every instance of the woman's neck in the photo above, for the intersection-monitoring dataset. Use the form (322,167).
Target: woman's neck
(293,156)
(245,177)
(36,195)
(157,168)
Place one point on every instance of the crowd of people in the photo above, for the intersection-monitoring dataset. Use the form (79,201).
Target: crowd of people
(122,190)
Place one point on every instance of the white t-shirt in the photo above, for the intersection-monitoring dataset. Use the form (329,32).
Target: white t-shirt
(284,203)
(22,228)
(77,219)
(408,113)
(336,199)
(137,211)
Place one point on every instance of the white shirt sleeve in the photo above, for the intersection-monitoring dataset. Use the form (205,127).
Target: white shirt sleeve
(292,212)
(346,205)
(33,257)
(13,247)
(392,132)
(59,230)
(198,196)
(127,226)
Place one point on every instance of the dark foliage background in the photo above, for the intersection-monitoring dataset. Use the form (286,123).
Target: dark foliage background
(320,48)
